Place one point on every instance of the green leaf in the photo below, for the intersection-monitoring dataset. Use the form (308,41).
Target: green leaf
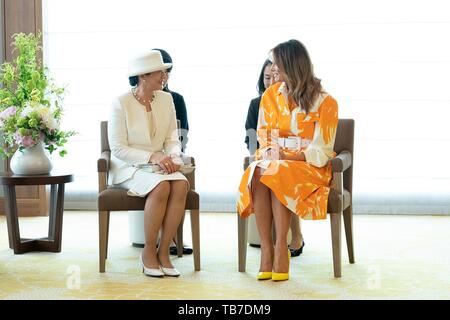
(26,82)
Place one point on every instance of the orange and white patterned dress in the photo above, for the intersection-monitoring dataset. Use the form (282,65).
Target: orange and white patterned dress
(302,186)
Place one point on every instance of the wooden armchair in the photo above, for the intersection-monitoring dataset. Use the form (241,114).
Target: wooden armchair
(116,199)
(339,199)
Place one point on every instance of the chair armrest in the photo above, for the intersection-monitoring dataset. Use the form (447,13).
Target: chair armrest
(190,176)
(103,161)
(342,161)
(188,160)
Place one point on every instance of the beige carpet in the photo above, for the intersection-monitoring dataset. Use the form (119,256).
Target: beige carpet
(397,257)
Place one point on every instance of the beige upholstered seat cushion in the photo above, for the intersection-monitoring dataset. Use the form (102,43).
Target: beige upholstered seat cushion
(335,204)
(116,199)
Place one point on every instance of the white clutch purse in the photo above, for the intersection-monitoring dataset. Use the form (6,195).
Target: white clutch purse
(154,168)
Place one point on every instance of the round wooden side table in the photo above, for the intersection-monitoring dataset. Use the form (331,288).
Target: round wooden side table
(52,243)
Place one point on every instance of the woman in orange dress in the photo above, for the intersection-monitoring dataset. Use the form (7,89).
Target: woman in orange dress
(296,131)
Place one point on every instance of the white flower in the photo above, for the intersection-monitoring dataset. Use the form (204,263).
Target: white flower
(51,123)
(29,108)
(47,117)
(44,112)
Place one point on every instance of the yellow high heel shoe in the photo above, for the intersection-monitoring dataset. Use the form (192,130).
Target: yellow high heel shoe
(264,275)
(279,276)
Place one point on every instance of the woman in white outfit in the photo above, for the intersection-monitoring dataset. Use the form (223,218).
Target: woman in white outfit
(146,157)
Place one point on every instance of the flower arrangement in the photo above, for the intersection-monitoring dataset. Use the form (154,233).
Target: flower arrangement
(30,103)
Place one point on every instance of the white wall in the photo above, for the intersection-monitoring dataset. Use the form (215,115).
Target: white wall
(386,62)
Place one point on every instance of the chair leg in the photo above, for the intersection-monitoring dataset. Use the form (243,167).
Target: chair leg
(242,242)
(103,238)
(195,227)
(348,224)
(180,239)
(336,242)
(107,235)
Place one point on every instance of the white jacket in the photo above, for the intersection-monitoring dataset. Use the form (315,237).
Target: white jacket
(129,134)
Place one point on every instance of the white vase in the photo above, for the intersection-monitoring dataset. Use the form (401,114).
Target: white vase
(31,161)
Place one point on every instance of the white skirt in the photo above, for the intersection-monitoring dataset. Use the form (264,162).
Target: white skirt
(143,182)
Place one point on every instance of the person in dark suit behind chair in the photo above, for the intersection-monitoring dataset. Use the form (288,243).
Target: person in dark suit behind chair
(181,114)
(265,80)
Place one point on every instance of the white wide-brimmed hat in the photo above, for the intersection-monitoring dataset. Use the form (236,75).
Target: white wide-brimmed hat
(146,63)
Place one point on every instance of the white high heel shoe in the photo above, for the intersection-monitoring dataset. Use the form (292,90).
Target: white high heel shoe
(149,271)
(170,272)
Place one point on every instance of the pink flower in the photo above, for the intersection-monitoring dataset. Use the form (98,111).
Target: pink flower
(8,112)
(25,141)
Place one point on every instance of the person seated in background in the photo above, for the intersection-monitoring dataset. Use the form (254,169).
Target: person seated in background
(181,114)
(265,80)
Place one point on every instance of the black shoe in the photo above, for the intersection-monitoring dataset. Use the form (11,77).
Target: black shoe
(297,252)
(254,245)
(186,250)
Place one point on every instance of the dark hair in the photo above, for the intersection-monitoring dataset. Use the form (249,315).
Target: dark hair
(293,60)
(260,86)
(134,80)
(166,57)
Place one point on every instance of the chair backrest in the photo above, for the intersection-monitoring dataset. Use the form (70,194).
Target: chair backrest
(104,143)
(345,137)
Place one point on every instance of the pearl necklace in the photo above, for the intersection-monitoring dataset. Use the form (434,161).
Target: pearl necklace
(142,101)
